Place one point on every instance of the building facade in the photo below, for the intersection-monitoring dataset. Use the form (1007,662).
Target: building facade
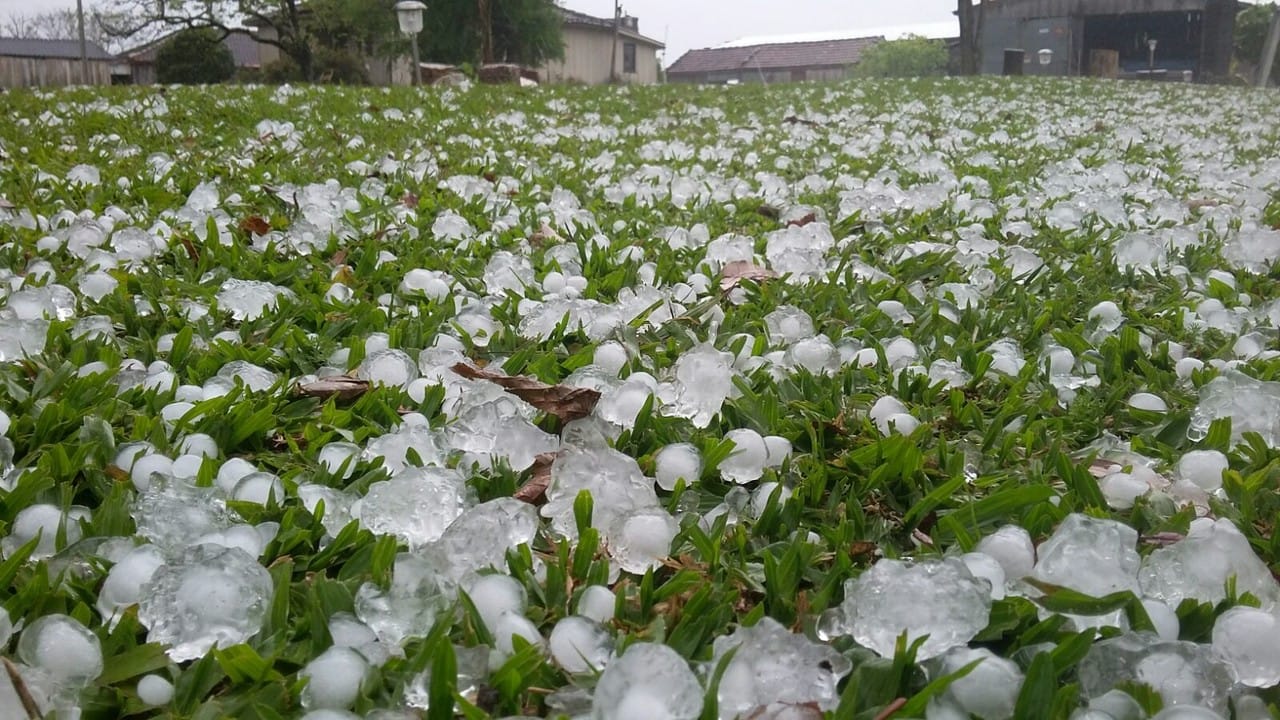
(141,61)
(591,53)
(771,62)
(1171,39)
(52,63)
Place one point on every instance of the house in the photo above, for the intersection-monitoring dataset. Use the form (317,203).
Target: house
(51,63)
(141,61)
(1173,39)
(772,62)
(590,51)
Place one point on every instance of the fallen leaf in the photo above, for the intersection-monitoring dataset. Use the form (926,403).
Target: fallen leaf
(343,387)
(1201,203)
(739,270)
(769,211)
(255,225)
(6,205)
(543,234)
(891,708)
(116,473)
(1162,539)
(862,548)
(534,490)
(801,222)
(20,687)
(793,120)
(192,252)
(566,403)
(792,711)
(339,258)
(410,200)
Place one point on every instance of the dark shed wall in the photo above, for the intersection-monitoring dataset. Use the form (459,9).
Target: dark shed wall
(1063,8)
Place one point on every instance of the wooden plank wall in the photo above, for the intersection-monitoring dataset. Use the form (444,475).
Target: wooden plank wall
(18,72)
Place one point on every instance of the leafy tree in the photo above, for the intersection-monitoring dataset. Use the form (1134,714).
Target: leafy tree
(527,32)
(912,56)
(195,57)
(1252,24)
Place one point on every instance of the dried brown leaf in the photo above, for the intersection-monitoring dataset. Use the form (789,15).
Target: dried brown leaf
(190,247)
(534,490)
(739,270)
(801,222)
(343,387)
(566,403)
(769,211)
(410,200)
(20,687)
(6,205)
(255,225)
(1201,203)
(891,708)
(339,258)
(544,234)
(794,120)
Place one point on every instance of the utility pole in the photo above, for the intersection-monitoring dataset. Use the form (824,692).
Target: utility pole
(613,56)
(84,47)
(1269,50)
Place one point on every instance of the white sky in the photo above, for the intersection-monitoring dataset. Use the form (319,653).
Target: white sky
(686,24)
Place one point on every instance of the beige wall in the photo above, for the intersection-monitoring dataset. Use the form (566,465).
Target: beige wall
(267,54)
(51,72)
(586,58)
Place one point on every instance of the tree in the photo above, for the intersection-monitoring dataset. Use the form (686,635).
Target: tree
(912,56)
(281,23)
(1252,24)
(971,14)
(60,25)
(195,57)
(527,32)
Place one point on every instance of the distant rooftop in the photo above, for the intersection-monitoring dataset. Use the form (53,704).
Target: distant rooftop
(934,31)
(774,56)
(61,49)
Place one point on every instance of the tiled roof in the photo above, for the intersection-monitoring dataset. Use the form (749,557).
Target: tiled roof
(777,56)
(244,48)
(64,49)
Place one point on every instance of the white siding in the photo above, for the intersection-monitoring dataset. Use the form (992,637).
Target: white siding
(586,58)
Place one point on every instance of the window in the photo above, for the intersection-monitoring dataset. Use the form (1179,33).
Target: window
(629,58)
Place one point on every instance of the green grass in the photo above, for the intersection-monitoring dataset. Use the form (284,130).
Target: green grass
(998,450)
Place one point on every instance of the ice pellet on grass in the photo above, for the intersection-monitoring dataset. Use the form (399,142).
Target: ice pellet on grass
(43,520)
(1253,406)
(493,595)
(260,488)
(1249,639)
(212,597)
(598,603)
(937,598)
(772,664)
(704,379)
(333,679)
(510,625)
(154,690)
(250,299)
(1187,712)
(579,644)
(410,606)
(1121,489)
(1203,468)
(255,377)
(123,586)
(641,540)
(1148,402)
(340,459)
(988,568)
(747,461)
(1091,555)
(416,505)
(615,482)
(393,368)
(1183,673)
(1199,565)
(676,461)
(63,648)
(648,682)
(990,690)
(1011,546)
(482,535)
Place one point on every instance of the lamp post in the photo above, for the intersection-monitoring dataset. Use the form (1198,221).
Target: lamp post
(1151,54)
(409,13)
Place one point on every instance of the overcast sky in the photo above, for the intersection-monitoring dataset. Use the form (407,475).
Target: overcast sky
(686,24)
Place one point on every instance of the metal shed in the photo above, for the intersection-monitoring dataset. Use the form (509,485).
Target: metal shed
(51,63)
(1173,39)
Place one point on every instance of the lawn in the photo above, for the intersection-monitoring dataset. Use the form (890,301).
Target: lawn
(673,402)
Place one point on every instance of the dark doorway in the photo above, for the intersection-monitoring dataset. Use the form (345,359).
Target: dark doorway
(1177,36)
(1013,61)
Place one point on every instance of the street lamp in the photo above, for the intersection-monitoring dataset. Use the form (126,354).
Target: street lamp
(409,13)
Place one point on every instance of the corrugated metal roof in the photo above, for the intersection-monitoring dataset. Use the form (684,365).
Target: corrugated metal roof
(62,49)
(775,56)
(246,50)
(573,17)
